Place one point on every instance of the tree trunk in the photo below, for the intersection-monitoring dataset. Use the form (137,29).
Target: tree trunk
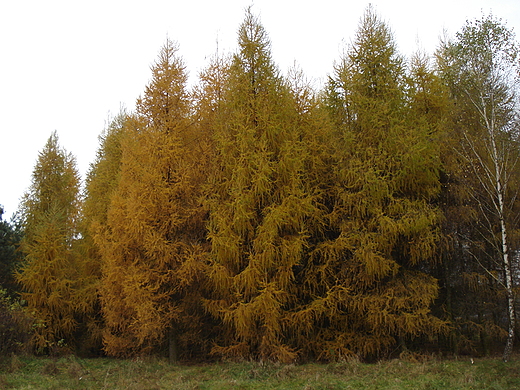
(498,161)
(500,191)
(173,351)
(510,306)
(511,331)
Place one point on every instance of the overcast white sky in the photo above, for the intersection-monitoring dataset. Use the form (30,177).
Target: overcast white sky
(69,65)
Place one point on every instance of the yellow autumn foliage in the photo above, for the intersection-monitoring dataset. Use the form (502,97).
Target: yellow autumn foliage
(152,248)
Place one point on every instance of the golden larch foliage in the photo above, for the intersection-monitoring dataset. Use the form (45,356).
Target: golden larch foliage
(49,273)
(365,290)
(259,203)
(152,249)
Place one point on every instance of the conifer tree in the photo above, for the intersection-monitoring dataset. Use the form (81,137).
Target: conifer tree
(152,251)
(432,109)
(102,180)
(208,98)
(259,204)
(103,175)
(368,287)
(48,274)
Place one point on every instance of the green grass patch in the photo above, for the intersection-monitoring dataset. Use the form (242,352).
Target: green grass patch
(104,373)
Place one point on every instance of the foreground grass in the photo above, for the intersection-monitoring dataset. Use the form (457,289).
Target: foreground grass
(103,373)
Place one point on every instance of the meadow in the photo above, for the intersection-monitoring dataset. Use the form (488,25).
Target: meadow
(104,373)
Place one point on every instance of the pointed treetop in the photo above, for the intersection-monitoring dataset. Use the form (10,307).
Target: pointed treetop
(254,46)
(374,37)
(374,52)
(165,99)
(252,36)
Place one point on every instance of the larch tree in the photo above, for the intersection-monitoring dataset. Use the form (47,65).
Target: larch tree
(152,248)
(481,66)
(49,271)
(103,176)
(101,182)
(366,279)
(432,110)
(208,97)
(259,204)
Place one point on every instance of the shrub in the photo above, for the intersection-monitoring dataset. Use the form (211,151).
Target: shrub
(15,325)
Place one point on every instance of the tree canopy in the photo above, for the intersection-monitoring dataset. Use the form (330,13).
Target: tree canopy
(254,216)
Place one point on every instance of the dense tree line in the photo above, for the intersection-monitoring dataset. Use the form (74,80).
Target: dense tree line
(253,217)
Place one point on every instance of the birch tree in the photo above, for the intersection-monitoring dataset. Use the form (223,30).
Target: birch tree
(481,66)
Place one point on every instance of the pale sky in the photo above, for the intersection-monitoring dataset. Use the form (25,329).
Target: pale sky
(70,65)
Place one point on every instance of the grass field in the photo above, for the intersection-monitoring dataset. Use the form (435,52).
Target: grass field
(102,373)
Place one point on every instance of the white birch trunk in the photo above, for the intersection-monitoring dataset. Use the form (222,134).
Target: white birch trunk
(498,161)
